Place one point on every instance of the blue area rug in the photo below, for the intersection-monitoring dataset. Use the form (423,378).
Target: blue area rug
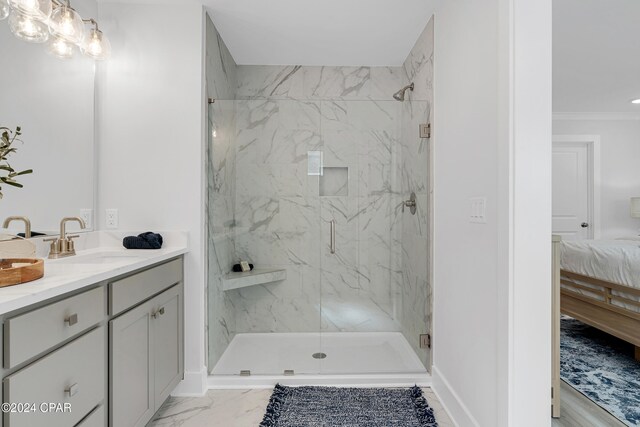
(348,407)
(601,367)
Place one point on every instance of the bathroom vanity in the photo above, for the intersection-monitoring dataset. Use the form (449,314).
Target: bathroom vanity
(97,342)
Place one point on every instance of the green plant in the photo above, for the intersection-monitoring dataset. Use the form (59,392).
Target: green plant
(7,173)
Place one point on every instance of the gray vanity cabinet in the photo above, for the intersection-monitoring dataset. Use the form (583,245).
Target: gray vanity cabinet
(146,345)
(112,351)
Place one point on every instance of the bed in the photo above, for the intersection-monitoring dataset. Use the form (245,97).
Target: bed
(600,285)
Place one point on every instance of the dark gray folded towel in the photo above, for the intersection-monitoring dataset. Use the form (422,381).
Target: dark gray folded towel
(146,240)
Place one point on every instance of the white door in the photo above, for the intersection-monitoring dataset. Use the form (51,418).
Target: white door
(572,192)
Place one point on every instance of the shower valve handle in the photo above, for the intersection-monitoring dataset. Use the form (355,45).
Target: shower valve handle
(411,204)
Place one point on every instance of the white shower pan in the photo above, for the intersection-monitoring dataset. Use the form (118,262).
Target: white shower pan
(352,359)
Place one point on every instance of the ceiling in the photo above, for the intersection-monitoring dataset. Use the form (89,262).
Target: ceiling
(320,32)
(596,55)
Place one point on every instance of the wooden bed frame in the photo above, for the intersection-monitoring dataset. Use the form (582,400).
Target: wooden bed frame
(600,312)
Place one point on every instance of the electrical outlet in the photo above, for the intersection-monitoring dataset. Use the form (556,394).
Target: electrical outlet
(87,217)
(112,218)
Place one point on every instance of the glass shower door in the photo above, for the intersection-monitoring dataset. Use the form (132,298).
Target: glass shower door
(367,277)
(359,251)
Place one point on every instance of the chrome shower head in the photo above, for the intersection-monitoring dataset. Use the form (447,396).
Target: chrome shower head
(399,95)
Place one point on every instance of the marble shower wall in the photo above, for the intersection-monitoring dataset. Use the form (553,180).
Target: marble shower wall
(221,190)
(348,114)
(414,176)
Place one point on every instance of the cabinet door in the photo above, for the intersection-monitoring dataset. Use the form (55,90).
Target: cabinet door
(166,340)
(130,395)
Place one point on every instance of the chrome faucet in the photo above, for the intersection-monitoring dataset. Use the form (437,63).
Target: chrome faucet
(27,224)
(63,246)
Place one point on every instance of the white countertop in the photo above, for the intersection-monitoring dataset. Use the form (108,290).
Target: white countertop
(100,256)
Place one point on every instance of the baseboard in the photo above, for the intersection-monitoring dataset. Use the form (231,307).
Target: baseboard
(452,403)
(193,384)
(229,382)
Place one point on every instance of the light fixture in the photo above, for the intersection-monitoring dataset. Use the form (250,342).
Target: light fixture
(60,48)
(4,9)
(635,101)
(39,9)
(28,28)
(635,207)
(37,21)
(96,45)
(66,23)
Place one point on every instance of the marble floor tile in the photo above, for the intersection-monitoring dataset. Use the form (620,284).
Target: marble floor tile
(239,408)
(228,408)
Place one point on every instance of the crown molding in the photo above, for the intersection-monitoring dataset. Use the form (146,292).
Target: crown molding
(596,116)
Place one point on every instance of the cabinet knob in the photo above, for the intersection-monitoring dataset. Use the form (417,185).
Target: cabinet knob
(72,389)
(71,320)
(158,313)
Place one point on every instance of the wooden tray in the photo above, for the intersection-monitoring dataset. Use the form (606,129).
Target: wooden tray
(14,271)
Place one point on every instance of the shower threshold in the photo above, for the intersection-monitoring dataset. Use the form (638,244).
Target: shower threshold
(350,359)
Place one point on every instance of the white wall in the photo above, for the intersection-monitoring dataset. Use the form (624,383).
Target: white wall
(492,129)
(150,133)
(619,177)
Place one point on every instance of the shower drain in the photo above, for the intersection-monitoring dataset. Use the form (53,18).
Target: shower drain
(319,355)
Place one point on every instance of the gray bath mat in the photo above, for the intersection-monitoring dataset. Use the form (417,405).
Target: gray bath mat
(348,407)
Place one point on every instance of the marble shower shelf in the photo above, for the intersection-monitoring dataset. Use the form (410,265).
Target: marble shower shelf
(257,276)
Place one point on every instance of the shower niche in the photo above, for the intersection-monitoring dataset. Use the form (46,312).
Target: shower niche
(334,181)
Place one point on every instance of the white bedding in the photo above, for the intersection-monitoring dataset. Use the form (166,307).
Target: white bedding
(616,261)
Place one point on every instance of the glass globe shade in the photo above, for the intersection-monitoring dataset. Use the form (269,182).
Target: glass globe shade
(66,23)
(28,28)
(60,48)
(96,45)
(4,9)
(40,9)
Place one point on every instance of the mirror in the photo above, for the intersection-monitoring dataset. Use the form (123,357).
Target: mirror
(52,100)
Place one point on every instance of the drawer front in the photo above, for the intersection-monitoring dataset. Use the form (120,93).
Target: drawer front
(33,332)
(95,419)
(72,375)
(126,293)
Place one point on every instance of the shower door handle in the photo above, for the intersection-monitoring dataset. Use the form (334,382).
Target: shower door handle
(333,236)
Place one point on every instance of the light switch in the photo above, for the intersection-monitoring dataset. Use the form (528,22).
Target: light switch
(478,210)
